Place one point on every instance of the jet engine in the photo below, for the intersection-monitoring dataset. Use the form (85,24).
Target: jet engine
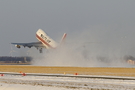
(18,46)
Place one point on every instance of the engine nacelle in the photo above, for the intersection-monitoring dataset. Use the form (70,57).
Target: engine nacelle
(18,46)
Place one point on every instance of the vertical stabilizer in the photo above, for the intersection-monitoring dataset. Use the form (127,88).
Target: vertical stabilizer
(63,38)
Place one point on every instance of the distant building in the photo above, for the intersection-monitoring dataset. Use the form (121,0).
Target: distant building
(6,59)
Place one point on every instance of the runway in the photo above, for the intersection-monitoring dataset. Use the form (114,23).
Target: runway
(66,78)
(68,75)
(69,82)
(110,71)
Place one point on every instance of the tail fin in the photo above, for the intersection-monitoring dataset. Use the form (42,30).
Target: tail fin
(63,38)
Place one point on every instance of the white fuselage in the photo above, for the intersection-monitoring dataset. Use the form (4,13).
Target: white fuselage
(45,39)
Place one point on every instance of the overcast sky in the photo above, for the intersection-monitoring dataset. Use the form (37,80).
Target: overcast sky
(111,22)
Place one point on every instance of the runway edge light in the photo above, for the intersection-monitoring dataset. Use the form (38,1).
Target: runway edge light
(23,74)
(76,74)
(1,74)
(20,72)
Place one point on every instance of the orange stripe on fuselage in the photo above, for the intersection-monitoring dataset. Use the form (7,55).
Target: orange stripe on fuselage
(43,41)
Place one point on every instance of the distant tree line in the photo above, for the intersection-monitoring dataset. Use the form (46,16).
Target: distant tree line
(7,59)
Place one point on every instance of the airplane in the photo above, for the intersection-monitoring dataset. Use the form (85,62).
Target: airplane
(44,42)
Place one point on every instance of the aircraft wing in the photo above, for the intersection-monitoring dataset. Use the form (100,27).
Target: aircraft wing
(29,45)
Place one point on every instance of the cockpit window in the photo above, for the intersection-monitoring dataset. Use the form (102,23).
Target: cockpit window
(41,35)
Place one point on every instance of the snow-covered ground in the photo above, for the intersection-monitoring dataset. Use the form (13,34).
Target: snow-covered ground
(12,82)
(4,86)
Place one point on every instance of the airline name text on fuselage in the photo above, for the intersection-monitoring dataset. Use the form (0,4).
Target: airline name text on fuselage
(45,38)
